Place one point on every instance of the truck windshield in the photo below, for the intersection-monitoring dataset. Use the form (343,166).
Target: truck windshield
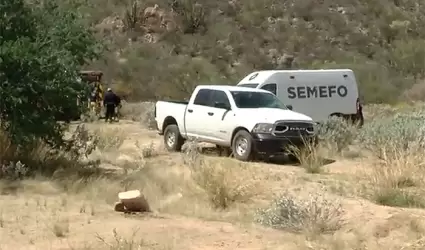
(247,100)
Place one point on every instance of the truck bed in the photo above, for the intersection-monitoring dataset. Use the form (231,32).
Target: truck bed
(170,108)
(177,102)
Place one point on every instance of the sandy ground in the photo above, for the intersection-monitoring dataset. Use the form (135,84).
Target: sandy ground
(47,214)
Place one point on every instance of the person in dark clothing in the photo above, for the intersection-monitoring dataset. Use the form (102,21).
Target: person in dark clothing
(109,102)
(117,106)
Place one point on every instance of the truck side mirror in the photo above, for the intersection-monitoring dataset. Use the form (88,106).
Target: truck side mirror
(289,107)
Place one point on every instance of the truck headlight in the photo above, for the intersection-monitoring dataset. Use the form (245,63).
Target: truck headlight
(265,128)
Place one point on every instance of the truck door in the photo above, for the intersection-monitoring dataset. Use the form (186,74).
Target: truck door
(196,117)
(221,118)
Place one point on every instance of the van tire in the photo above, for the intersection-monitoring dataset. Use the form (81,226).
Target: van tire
(242,146)
(173,140)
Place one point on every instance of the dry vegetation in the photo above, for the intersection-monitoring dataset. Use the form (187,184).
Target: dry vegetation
(370,196)
(360,189)
(197,42)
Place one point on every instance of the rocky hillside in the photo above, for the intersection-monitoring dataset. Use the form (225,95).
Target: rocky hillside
(163,48)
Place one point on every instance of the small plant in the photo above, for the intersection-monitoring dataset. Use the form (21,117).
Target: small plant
(121,243)
(107,139)
(316,215)
(60,228)
(193,15)
(337,133)
(192,153)
(308,156)
(398,198)
(147,151)
(224,185)
(131,16)
(13,171)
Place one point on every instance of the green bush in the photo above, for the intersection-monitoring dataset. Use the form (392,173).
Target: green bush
(402,132)
(315,215)
(43,46)
(337,133)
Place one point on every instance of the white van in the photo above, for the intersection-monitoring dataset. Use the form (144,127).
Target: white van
(316,93)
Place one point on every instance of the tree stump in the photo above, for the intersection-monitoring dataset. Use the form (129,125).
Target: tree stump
(133,201)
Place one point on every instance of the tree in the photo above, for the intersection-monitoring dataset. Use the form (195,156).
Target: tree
(43,46)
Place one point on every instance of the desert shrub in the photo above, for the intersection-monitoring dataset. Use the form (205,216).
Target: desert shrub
(13,171)
(193,15)
(404,132)
(132,16)
(337,133)
(309,157)
(408,56)
(144,112)
(224,184)
(396,179)
(40,158)
(399,198)
(315,215)
(107,139)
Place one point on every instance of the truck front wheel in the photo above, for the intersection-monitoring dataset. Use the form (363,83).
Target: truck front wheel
(172,138)
(242,146)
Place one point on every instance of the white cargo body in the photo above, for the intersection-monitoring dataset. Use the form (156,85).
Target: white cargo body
(316,93)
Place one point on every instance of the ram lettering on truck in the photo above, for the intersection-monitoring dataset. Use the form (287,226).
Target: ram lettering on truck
(248,122)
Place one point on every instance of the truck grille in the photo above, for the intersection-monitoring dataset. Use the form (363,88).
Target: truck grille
(293,129)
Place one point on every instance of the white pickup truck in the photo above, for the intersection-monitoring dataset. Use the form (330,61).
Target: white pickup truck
(250,122)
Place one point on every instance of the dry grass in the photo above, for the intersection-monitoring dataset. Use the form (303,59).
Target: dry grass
(398,179)
(109,139)
(310,157)
(225,182)
(315,215)
(194,196)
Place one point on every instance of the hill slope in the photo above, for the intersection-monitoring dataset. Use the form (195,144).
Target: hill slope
(192,42)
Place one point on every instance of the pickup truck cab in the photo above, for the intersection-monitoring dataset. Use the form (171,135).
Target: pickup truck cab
(246,120)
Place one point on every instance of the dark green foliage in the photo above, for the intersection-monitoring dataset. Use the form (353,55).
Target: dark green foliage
(43,45)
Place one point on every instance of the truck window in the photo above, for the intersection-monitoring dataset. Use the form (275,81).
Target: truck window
(272,87)
(220,97)
(203,97)
(246,99)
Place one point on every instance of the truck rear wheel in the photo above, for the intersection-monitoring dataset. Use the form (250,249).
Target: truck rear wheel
(242,146)
(172,138)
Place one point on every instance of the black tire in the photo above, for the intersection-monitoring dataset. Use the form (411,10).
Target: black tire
(173,145)
(248,154)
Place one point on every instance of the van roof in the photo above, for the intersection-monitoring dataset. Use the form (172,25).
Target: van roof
(231,88)
(263,75)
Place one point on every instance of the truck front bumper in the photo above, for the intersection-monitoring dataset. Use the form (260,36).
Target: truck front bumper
(272,145)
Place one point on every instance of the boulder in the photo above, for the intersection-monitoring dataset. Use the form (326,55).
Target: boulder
(133,201)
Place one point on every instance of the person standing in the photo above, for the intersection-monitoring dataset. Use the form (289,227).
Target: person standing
(109,102)
(117,107)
